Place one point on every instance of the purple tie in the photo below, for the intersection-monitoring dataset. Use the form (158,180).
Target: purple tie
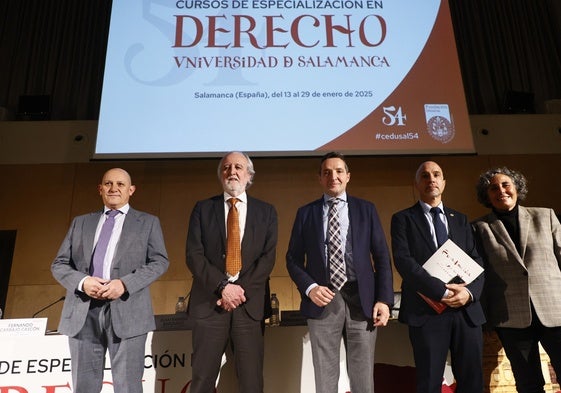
(102,242)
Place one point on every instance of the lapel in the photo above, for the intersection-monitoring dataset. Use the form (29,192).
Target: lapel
(502,236)
(317,217)
(317,222)
(312,235)
(353,214)
(127,234)
(249,230)
(88,234)
(453,227)
(355,221)
(524,222)
(422,225)
(220,223)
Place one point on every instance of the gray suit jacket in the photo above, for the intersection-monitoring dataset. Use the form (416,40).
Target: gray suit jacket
(140,258)
(512,279)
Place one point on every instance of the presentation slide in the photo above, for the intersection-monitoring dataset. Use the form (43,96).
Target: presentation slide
(197,78)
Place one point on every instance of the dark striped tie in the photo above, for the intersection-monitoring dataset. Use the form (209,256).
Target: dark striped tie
(337,271)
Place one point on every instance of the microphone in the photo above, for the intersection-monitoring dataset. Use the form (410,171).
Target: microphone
(48,306)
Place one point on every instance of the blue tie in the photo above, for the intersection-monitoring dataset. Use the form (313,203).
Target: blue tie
(439,227)
(96,269)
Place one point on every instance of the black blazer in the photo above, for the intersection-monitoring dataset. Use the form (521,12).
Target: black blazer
(206,254)
(412,245)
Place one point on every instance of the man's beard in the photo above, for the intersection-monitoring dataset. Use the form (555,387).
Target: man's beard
(234,186)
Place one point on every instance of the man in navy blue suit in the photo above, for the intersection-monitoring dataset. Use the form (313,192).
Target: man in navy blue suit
(458,328)
(351,299)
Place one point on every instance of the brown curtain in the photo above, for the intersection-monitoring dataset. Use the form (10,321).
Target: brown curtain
(508,45)
(57,47)
(54,47)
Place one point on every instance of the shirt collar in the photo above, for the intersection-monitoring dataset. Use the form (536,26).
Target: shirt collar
(242,197)
(426,207)
(124,209)
(342,197)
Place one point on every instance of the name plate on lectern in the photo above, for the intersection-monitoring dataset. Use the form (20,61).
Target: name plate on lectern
(23,327)
(178,321)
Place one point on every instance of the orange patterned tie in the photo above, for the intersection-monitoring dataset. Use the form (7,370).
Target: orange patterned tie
(234,250)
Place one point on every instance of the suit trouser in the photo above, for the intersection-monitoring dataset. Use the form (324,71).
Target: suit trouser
(341,320)
(87,352)
(431,342)
(522,350)
(210,339)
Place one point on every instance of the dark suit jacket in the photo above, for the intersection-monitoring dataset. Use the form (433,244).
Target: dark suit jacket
(140,258)
(206,254)
(412,245)
(306,259)
(512,278)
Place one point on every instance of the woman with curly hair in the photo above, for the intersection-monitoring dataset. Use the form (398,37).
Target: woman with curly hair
(521,247)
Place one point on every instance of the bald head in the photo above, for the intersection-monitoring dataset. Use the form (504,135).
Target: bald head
(116,188)
(430,182)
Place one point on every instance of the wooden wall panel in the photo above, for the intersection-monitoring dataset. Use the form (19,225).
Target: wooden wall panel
(39,201)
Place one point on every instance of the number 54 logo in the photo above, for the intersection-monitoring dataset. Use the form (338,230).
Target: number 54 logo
(393,116)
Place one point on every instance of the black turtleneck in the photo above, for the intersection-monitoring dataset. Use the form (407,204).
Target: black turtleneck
(510,221)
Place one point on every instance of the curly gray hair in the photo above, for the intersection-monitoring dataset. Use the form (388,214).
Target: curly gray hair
(518,180)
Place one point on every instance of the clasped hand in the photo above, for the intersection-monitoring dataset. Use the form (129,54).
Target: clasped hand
(233,296)
(458,295)
(101,289)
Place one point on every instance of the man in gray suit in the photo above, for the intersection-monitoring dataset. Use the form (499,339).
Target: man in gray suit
(108,305)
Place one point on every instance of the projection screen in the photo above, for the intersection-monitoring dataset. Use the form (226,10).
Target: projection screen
(199,78)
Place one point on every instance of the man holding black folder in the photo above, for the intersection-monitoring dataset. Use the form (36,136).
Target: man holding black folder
(417,232)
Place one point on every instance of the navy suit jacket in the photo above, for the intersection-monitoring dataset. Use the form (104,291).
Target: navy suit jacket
(206,254)
(412,245)
(306,256)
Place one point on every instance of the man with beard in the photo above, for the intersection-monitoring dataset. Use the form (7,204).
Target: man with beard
(231,250)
